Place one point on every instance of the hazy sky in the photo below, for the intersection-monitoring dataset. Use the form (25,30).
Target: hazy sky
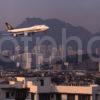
(76,12)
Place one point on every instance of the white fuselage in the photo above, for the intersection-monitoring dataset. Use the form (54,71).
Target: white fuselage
(36,28)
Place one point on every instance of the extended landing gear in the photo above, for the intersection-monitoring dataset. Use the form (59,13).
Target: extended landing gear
(14,35)
(26,34)
(23,34)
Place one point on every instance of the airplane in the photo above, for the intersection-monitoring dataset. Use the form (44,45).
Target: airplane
(25,31)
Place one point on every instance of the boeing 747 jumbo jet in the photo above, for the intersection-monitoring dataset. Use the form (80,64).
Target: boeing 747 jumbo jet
(25,31)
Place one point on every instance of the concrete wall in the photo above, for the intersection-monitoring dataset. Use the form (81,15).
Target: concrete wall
(74,89)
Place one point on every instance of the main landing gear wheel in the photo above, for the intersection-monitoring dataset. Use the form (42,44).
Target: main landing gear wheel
(26,34)
(14,35)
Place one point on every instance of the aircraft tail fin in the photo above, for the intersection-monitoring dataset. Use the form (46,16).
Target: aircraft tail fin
(8,26)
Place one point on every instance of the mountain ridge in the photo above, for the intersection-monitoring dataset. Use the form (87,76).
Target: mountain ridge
(55,30)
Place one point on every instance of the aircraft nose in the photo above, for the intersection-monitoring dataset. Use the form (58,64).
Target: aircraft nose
(47,27)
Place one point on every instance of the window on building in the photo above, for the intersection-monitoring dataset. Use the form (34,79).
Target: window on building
(12,94)
(7,95)
(42,82)
(84,97)
(70,97)
(97,97)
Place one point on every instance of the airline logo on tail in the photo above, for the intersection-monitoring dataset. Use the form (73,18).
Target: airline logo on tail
(8,26)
